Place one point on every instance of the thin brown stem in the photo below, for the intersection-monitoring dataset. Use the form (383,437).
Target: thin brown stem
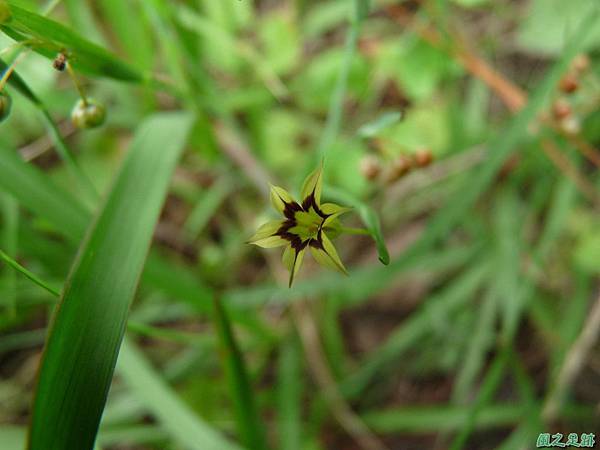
(342,412)
(573,364)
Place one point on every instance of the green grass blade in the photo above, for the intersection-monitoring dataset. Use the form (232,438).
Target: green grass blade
(484,397)
(19,268)
(247,415)
(36,192)
(414,329)
(336,104)
(476,351)
(178,420)
(431,419)
(131,32)
(175,417)
(49,37)
(289,393)
(10,241)
(81,351)
(13,437)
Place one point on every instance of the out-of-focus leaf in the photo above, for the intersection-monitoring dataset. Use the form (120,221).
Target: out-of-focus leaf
(548,24)
(178,419)
(248,418)
(471,3)
(49,37)
(19,84)
(371,129)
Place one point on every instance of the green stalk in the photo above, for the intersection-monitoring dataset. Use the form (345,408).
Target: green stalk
(10,237)
(248,418)
(19,268)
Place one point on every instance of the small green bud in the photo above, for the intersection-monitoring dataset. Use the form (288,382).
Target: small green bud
(88,114)
(5,13)
(5,105)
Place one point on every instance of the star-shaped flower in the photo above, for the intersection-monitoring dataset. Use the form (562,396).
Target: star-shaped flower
(305,225)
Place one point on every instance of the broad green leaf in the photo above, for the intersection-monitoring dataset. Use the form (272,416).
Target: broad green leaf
(86,332)
(49,37)
(132,32)
(13,437)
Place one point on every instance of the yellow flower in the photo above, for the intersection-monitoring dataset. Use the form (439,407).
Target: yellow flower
(305,225)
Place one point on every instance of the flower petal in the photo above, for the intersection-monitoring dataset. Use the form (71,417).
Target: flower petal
(270,242)
(326,255)
(265,235)
(280,197)
(266,230)
(333,211)
(313,185)
(292,259)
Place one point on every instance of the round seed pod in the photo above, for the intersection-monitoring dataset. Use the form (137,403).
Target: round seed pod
(569,83)
(561,109)
(370,167)
(5,13)
(88,114)
(5,105)
(399,167)
(580,63)
(423,157)
(571,125)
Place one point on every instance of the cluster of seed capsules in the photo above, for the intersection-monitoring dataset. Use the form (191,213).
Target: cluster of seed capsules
(372,168)
(87,112)
(563,112)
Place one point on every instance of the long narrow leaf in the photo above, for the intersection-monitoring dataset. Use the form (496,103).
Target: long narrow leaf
(86,332)
(49,37)
(248,418)
(179,420)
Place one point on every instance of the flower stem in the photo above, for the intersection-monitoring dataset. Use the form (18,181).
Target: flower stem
(350,230)
(19,268)
(78,85)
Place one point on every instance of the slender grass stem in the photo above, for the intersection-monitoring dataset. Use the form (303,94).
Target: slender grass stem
(336,105)
(351,230)
(10,238)
(19,268)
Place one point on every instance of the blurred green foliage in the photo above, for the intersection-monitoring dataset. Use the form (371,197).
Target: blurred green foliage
(490,217)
